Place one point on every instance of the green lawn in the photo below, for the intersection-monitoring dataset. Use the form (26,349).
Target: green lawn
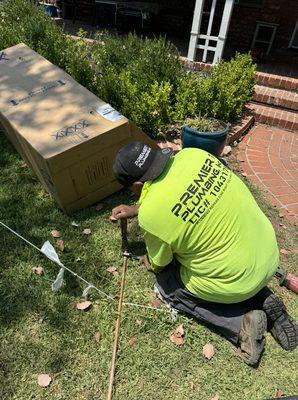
(42,332)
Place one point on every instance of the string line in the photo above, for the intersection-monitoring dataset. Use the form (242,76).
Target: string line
(107,296)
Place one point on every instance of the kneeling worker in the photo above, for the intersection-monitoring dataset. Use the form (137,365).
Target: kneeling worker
(212,248)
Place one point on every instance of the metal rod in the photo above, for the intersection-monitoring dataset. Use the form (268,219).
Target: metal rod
(124,242)
(117,329)
(124,245)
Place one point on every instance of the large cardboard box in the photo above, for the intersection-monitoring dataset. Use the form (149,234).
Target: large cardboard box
(67,135)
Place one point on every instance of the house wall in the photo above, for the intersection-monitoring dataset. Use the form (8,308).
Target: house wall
(243,23)
(176,17)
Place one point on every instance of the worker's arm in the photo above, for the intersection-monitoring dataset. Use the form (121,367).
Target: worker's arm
(125,212)
(159,253)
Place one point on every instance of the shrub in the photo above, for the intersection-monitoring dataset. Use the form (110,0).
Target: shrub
(158,61)
(22,21)
(149,60)
(232,87)
(153,109)
(186,99)
(78,61)
(221,95)
(193,96)
(136,76)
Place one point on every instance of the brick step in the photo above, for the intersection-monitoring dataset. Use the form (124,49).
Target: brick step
(274,116)
(276,97)
(277,81)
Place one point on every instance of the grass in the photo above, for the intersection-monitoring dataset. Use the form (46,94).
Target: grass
(42,332)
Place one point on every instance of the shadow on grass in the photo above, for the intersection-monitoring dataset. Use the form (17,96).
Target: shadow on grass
(56,355)
(27,209)
(137,248)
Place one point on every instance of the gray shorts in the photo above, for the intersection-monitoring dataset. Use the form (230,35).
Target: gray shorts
(224,318)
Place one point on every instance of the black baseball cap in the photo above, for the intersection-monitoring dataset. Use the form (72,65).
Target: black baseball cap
(139,162)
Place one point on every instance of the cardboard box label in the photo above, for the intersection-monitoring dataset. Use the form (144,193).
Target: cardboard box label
(3,56)
(109,113)
(40,90)
(74,133)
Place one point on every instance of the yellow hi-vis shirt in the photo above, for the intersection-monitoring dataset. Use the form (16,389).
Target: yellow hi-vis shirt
(202,214)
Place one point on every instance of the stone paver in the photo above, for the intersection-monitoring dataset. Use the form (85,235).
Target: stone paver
(269,158)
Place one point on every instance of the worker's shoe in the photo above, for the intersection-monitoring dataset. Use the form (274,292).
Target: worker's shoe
(282,327)
(251,337)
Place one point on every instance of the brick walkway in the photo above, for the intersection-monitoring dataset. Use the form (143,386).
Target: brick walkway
(269,157)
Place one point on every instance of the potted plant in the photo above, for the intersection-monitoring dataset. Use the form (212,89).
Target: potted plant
(205,133)
(50,7)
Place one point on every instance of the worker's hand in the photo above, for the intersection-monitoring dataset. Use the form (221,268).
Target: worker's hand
(123,211)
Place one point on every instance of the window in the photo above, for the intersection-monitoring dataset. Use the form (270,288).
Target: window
(294,39)
(264,36)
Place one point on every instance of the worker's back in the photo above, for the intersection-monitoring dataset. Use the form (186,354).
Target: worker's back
(205,213)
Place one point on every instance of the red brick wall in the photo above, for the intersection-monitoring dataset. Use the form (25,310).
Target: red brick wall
(243,23)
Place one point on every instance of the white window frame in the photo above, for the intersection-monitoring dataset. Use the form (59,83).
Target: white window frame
(293,36)
(220,40)
(268,42)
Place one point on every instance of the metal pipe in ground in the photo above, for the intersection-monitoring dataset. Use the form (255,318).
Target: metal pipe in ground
(120,301)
